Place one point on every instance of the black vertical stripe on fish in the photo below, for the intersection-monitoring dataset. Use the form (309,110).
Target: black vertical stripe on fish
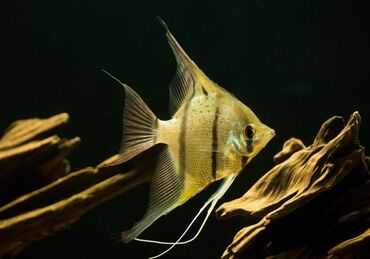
(249,146)
(244,160)
(214,144)
(181,141)
(204,91)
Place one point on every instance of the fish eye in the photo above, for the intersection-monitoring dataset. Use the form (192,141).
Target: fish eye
(248,131)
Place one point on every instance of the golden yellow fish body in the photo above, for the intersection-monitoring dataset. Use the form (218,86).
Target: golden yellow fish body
(198,137)
(211,136)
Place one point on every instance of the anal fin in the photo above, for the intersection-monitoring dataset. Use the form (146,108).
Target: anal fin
(212,201)
(166,188)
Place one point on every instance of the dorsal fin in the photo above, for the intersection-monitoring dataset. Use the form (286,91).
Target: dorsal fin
(183,84)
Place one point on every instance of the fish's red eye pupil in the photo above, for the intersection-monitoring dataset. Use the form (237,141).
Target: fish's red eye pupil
(248,131)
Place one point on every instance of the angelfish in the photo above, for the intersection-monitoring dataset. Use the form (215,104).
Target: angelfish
(211,136)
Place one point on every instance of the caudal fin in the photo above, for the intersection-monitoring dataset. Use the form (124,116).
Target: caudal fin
(139,126)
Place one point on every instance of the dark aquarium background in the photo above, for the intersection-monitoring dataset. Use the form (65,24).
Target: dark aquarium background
(295,63)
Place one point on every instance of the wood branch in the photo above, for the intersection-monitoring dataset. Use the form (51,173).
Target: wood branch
(314,203)
(28,151)
(325,184)
(32,156)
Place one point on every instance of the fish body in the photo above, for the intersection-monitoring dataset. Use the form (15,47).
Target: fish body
(211,136)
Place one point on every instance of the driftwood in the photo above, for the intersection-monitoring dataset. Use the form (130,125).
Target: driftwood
(314,203)
(28,160)
(55,197)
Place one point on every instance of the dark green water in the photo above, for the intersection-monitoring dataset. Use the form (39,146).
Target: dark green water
(295,63)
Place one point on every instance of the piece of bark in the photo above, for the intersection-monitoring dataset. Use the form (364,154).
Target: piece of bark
(24,131)
(31,156)
(61,197)
(352,247)
(19,231)
(316,198)
(290,147)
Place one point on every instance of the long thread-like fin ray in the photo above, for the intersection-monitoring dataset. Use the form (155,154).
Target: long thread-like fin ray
(139,125)
(182,242)
(213,201)
(166,188)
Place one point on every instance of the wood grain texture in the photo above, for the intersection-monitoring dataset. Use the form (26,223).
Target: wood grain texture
(314,203)
(55,197)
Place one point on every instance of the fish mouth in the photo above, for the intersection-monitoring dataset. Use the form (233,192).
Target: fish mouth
(266,136)
(272,133)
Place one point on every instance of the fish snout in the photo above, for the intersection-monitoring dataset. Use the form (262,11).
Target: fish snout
(267,135)
(272,133)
